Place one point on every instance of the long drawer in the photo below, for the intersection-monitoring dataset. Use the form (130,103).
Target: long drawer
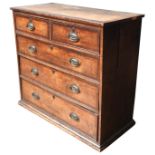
(59,56)
(73,115)
(64,83)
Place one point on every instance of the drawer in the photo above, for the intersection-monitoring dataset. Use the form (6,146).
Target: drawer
(83,37)
(30,25)
(74,116)
(62,57)
(64,83)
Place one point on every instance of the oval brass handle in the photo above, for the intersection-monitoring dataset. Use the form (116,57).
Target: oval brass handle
(35,71)
(74,88)
(30,26)
(35,96)
(32,48)
(74,62)
(74,116)
(73,36)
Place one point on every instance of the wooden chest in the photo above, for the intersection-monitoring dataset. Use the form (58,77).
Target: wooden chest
(77,68)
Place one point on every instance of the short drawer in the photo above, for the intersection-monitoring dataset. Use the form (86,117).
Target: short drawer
(59,56)
(83,37)
(74,116)
(30,25)
(62,82)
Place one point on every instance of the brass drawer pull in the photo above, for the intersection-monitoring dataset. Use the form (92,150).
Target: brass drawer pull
(35,96)
(30,26)
(73,36)
(75,89)
(35,71)
(32,48)
(74,62)
(74,117)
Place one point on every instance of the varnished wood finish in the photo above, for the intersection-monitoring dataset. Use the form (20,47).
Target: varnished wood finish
(62,125)
(61,109)
(119,73)
(88,38)
(77,13)
(59,56)
(104,46)
(41,26)
(61,82)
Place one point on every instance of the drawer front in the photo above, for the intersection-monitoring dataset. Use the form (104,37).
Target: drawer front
(59,56)
(64,83)
(32,25)
(82,37)
(61,109)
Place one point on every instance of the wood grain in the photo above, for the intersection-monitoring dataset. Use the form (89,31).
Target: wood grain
(106,43)
(61,82)
(59,56)
(88,39)
(77,13)
(121,48)
(61,109)
(41,26)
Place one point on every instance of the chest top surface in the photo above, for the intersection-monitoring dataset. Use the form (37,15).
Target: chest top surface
(98,16)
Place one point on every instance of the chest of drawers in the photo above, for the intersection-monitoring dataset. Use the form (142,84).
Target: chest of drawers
(77,68)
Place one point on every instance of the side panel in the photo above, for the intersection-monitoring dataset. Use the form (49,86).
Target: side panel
(120,59)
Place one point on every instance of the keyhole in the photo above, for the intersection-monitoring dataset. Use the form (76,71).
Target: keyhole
(53,71)
(53,96)
(51,47)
